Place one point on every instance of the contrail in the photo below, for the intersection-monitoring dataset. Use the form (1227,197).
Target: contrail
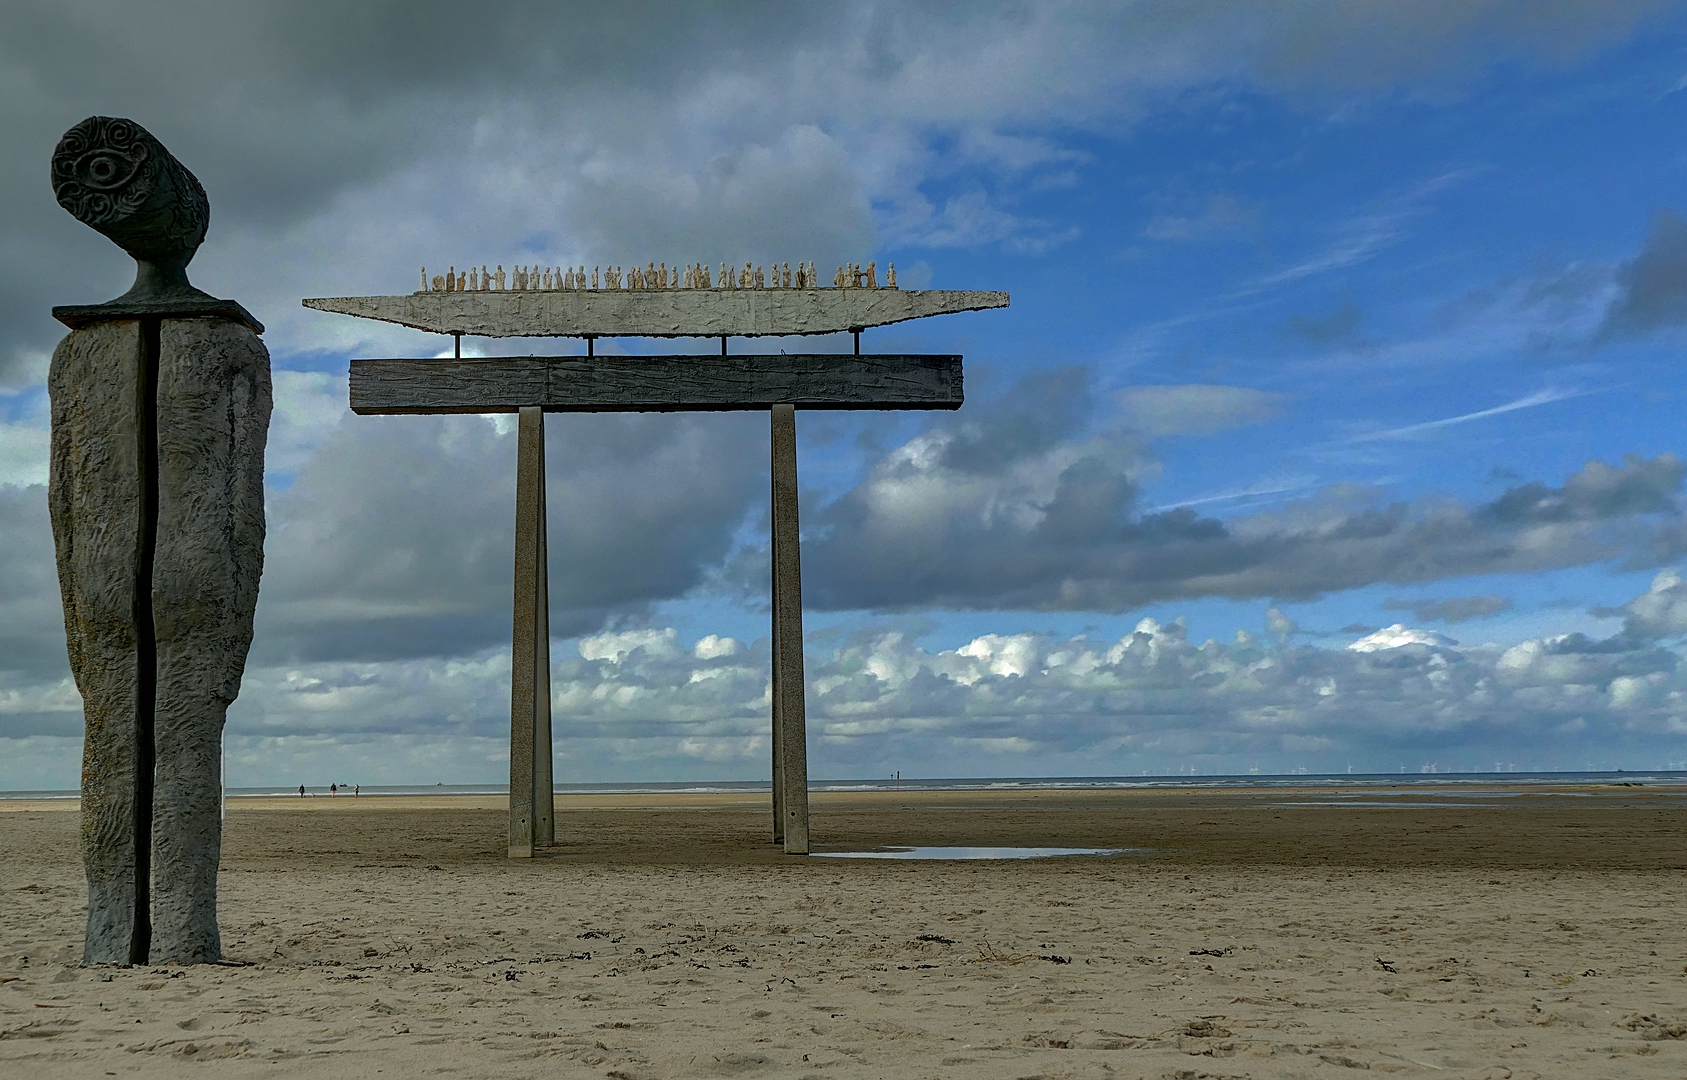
(1539,397)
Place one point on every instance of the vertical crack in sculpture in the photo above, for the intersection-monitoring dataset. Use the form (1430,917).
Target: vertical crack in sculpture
(160,412)
(146,633)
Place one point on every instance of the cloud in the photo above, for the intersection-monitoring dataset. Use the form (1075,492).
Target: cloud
(634,704)
(1156,411)
(1362,237)
(650,704)
(1005,510)
(23,453)
(876,697)
(1399,636)
(31,619)
(1659,612)
(1224,217)
(1595,492)
(972,220)
(1652,287)
(1379,44)
(395,538)
(1453,609)
(345,144)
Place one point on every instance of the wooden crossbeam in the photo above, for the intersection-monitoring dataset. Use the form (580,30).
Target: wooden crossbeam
(687,383)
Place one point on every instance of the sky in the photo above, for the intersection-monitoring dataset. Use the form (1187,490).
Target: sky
(1335,423)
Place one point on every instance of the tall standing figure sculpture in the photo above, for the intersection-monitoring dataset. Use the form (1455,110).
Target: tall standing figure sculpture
(160,411)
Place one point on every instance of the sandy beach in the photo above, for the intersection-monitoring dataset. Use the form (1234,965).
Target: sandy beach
(1240,934)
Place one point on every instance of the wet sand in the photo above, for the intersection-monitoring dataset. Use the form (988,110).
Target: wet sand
(1536,934)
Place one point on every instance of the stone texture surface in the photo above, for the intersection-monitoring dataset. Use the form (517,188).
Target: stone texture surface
(95,501)
(670,313)
(213,416)
(214,403)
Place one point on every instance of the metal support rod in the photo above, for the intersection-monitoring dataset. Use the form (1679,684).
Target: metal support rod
(790,726)
(457,346)
(857,333)
(591,345)
(723,344)
(532,810)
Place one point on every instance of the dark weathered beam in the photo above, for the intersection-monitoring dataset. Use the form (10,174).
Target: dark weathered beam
(655,383)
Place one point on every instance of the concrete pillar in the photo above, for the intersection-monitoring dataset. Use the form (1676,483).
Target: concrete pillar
(790,722)
(532,811)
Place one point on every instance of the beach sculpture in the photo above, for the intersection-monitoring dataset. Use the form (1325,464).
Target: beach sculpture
(698,305)
(160,410)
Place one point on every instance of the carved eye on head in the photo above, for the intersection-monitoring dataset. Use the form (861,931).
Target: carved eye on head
(105,169)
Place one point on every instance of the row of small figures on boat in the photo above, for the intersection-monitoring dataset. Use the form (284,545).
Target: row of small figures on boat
(653,276)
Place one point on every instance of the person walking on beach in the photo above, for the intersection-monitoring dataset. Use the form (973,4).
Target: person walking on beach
(357,789)
(333,789)
(301,791)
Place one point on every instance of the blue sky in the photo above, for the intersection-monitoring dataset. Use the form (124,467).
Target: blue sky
(1326,317)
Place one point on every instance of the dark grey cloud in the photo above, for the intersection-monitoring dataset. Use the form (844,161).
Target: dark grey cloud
(342,143)
(1453,609)
(283,109)
(1381,43)
(1652,288)
(1595,492)
(999,509)
(396,539)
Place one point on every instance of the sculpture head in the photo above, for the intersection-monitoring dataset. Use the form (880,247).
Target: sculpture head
(114,177)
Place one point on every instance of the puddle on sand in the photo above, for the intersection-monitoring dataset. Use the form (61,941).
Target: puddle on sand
(973,852)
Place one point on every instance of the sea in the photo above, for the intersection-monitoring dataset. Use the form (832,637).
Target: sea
(1492,783)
